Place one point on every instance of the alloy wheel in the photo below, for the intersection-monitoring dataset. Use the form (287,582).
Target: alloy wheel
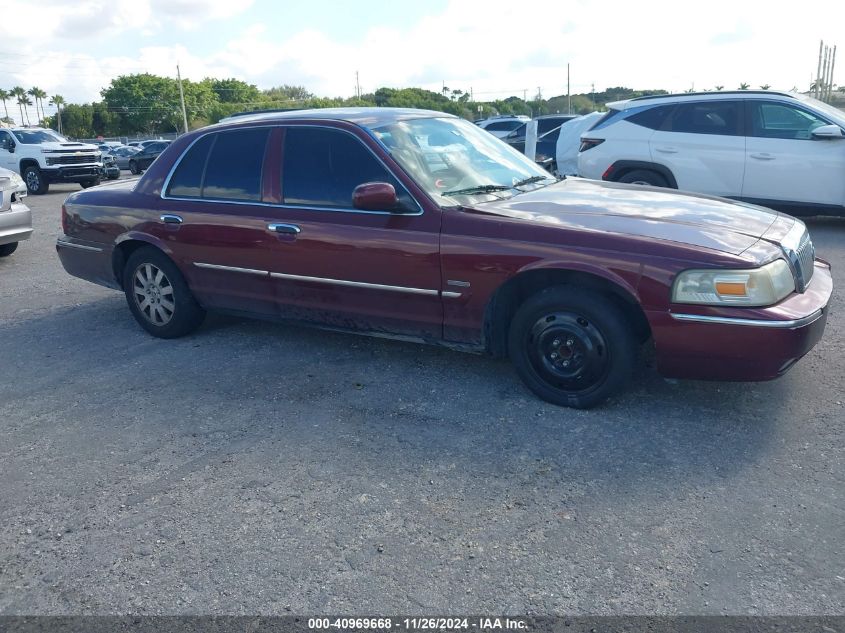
(153,294)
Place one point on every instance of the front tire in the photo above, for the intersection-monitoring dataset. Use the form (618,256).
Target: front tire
(8,249)
(572,346)
(133,167)
(158,295)
(36,184)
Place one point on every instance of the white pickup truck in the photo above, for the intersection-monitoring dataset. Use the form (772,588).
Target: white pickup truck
(42,157)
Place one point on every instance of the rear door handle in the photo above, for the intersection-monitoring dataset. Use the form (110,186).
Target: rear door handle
(667,150)
(169,218)
(762,156)
(288,229)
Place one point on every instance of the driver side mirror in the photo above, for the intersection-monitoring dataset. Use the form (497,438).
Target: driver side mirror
(828,132)
(376,196)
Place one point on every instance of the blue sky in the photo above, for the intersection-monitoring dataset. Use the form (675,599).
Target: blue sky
(494,47)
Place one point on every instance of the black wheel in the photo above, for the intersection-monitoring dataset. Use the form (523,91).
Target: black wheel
(36,184)
(644,177)
(114,176)
(572,346)
(158,295)
(133,167)
(8,249)
(89,183)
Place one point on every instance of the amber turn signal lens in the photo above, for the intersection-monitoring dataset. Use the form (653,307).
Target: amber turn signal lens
(731,288)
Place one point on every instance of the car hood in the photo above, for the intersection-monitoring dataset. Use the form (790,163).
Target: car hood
(69,146)
(702,221)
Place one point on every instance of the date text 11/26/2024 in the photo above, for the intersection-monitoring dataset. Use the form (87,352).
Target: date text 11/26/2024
(419,624)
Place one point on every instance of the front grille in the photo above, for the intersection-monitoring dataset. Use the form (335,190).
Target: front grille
(71,159)
(804,261)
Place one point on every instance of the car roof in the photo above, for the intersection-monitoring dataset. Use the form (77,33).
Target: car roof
(369,117)
(624,104)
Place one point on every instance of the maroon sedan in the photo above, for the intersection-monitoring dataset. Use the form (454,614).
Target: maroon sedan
(422,226)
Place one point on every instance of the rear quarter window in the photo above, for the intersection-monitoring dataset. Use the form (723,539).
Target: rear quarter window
(652,118)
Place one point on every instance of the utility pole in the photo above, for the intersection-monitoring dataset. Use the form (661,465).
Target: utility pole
(568,95)
(830,83)
(357,86)
(182,98)
(819,70)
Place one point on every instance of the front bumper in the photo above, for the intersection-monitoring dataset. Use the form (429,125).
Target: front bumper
(759,345)
(15,224)
(71,173)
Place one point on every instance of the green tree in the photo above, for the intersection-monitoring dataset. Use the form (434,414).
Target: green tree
(144,103)
(3,96)
(38,94)
(20,94)
(58,101)
(765,87)
(743,86)
(78,120)
(288,93)
(233,90)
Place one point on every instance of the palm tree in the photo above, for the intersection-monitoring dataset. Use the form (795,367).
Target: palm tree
(719,87)
(3,96)
(743,86)
(19,94)
(38,95)
(58,101)
(26,103)
(765,87)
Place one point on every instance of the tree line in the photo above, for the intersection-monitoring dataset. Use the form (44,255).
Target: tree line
(146,104)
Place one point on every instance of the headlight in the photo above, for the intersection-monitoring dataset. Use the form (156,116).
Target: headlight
(17,181)
(762,286)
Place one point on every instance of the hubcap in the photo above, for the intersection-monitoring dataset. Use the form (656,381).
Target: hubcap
(153,294)
(32,180)
(568,351)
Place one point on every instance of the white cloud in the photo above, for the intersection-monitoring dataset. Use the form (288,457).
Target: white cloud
(497,47)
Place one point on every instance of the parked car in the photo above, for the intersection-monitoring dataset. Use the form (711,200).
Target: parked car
(501,126)
(548,129)
(110,169)
(338,218)
(42,157)
(780,150)
(143,159)
(123,154)
(142,144)
(15,216)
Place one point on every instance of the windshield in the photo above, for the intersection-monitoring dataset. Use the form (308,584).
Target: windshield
(451,159)
(34,137)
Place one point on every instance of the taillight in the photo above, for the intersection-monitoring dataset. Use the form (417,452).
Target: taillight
(589,143)
(64,220)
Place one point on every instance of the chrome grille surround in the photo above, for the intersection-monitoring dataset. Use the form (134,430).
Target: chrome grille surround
(800,253)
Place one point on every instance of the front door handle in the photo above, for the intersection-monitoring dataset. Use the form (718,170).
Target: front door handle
(288,229)
(169,218)
(763,156)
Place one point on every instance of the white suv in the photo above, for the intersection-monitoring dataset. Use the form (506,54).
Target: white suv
(41,156)
(781,150)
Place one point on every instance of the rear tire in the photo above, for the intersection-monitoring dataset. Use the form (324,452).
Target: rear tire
(8,249)
(133,167)
(572,346)
(644,177)
(36,184)
(158,295)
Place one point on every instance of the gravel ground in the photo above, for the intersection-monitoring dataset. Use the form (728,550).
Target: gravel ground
(258,468)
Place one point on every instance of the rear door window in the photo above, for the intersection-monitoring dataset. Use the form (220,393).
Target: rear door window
(222,166)
(235,165)
(707,117)
(186,181)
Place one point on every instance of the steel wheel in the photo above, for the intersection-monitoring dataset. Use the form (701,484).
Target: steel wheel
(568,350)
(153,294)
